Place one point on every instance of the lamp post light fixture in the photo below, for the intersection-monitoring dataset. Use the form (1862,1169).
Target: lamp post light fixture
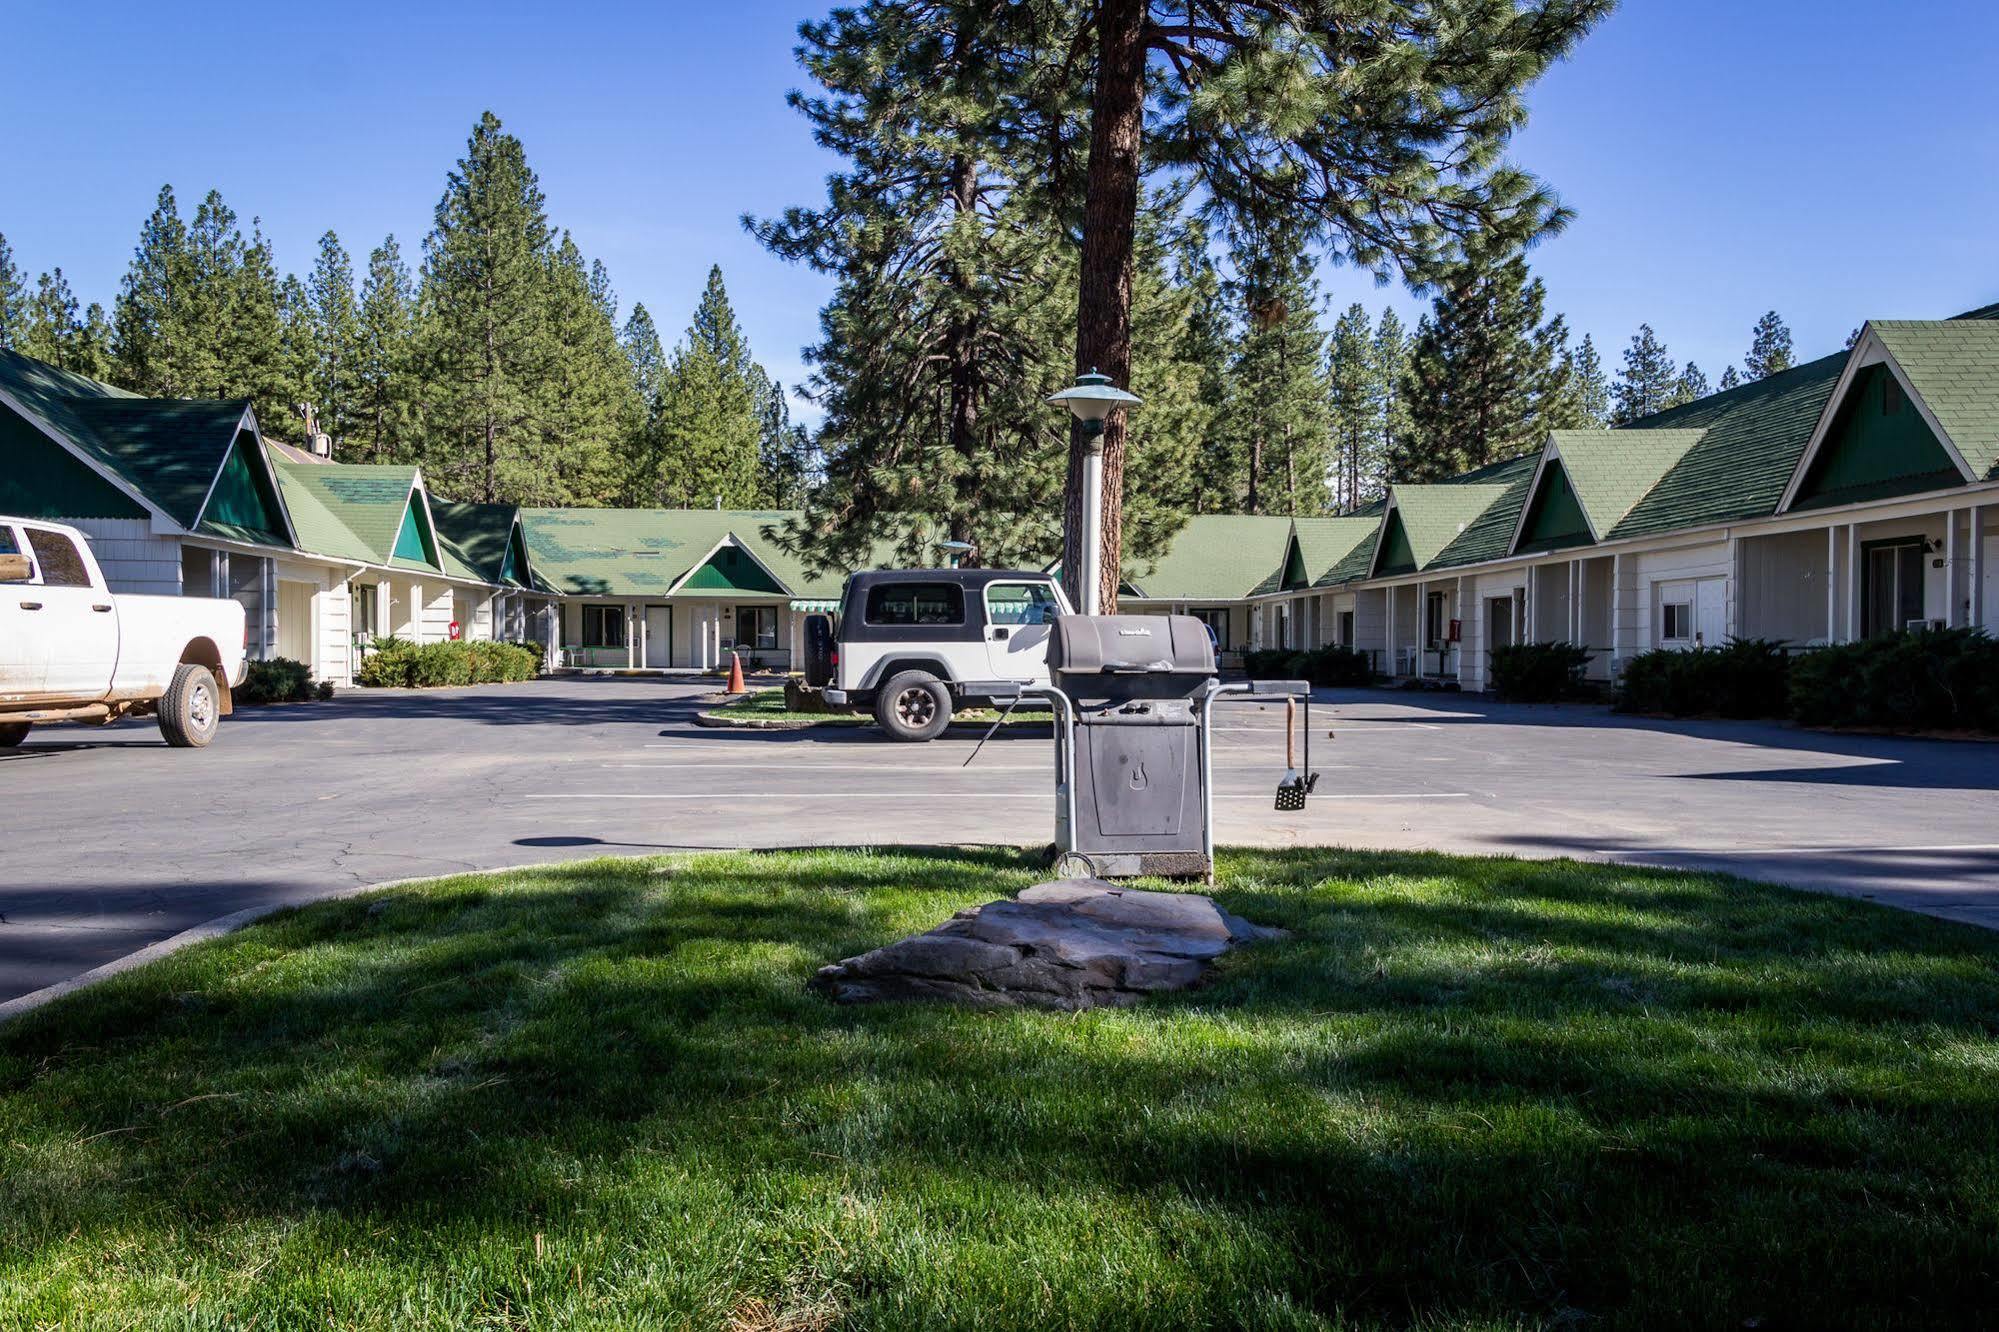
(1091,400)
(957,550)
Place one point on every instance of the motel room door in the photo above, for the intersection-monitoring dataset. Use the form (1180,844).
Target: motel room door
(659,636)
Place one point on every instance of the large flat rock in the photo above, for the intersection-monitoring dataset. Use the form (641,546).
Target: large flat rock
(1071,944)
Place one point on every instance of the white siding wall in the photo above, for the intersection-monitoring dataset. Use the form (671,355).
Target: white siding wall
(435,625)
(335,644)
(1650,568)
(1782,591)
(135,559)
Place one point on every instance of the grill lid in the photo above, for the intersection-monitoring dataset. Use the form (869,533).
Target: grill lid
(1130,645)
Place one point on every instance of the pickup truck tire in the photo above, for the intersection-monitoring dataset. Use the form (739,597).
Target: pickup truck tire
(913,706)
(13,733)
(191,708)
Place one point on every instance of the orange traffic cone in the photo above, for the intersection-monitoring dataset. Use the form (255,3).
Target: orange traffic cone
(736,685)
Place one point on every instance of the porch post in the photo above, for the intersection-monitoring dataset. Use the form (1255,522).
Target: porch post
(1389,593)
(1978,566)
(1616,611)
(631,655)
(1731,606)
(1831,584)
(1852,580)
(1950,568)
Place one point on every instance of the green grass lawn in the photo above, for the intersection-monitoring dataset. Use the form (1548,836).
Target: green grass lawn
(768,705)
(1464,1094)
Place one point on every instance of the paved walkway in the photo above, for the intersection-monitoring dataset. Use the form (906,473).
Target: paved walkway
(112,841)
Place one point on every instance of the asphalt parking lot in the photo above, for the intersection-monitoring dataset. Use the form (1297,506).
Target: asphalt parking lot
(113,842)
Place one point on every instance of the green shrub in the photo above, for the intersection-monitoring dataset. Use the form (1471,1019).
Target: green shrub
(1929,680)
(1330,667)
(1539,672)
(1746,677)
(279,680)
(395,663)
(386,664)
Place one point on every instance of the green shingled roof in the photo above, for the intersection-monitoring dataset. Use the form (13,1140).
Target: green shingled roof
(168,450)
(1487,536)
(369,501)
(1739,468)
(1953,364)
(1325,542)
(1611,470)
(1215,557)
(1434,516)
(476,536)
(644,552)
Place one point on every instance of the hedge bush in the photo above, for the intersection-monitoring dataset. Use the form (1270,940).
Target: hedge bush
(1330,667)
(279,680)
(1746,677)
(1539,672)
(396,663)
(1929,680)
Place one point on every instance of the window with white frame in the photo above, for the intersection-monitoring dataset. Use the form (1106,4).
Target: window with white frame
(604,626)
(1435,621)
(1676,621)
(756,626)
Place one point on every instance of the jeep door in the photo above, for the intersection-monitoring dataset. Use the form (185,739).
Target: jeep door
(1018,615)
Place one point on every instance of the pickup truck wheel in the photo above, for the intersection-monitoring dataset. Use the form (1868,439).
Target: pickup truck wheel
(913,705)
(191,708)
(13,733)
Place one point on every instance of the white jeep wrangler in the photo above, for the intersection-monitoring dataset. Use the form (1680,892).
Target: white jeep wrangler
(914,645)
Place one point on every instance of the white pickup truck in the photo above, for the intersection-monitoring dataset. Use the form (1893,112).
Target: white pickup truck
(71,651)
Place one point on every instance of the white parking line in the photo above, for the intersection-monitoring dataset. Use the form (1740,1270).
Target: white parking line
(790,795)
(842,767)
(944,795)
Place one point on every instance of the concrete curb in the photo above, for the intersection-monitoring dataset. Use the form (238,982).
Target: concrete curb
(215,929)
(715,721)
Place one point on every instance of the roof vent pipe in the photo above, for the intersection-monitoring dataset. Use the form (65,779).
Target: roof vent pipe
(718,503)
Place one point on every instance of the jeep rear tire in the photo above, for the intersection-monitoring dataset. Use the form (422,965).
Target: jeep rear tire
(913,706)
(13,733)
(191,708)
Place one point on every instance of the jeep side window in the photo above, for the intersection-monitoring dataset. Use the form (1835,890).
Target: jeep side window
(915,603)
(1021,603)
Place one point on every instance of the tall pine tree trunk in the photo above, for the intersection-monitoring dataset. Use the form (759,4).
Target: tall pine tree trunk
(1103,313)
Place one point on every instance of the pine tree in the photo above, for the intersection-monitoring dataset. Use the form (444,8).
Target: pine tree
(1355,394)
(13,298)
(1277,416)
(486,349)
(300,354)
(711,417)
(384,391)
(333,379)
(1648,379)
(946,323)
(1391,360)
(639,460)
(1692,384)
(154,321)
(1769,348)
(590,400)
(255,364)
(1484,374)
(1730,378)
(54,330)
(1590,387)
(1206,347)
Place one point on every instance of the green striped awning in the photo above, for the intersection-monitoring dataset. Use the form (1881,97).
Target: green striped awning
(810,605)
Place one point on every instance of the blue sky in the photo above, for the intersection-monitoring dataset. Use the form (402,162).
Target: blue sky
(1832,159)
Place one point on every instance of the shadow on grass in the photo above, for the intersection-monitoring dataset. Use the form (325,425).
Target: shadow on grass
(1463,1090)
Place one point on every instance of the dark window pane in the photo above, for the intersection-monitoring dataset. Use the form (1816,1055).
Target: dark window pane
(61,565)
(915,603)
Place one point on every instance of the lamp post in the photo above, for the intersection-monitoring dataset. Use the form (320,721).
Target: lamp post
(1091,399)
(956,550)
